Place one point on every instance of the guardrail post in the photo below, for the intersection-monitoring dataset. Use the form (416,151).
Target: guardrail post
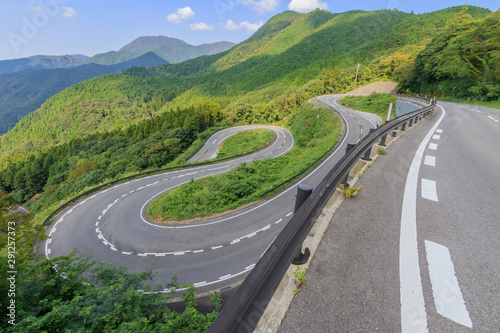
(410,123)
(366,156)
(350,146)
(394,133)
(403,127)
(382,142)
(303,192)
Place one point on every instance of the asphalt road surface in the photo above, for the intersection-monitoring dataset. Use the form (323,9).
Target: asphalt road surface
(212,255)
(418,250)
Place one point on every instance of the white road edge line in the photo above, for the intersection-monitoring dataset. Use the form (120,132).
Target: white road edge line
(447,294)
(413,316)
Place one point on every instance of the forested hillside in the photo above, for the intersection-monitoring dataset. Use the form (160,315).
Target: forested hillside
(292,57)
(25,91)
(462,60)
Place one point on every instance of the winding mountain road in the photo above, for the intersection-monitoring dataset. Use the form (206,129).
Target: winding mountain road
(214,254)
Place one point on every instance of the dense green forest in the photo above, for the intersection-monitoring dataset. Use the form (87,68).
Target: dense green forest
(462,60)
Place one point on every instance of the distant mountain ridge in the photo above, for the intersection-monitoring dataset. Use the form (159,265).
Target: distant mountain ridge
(25,84)
(25,91)
(170,49)
(41,62)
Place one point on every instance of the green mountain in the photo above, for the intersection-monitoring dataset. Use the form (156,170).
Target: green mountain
(462,60)
(289,59)
(171,49)
(25,91)
(41,62)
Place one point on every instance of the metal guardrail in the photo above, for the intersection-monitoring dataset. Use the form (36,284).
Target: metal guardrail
(244,309)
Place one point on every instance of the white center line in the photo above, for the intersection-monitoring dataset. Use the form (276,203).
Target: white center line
(413,316)
(447,294)
(430,160)
(429,190)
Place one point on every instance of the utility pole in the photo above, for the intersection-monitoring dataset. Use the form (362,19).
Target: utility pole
(356,79)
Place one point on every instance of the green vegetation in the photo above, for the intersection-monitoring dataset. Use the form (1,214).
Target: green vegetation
(375,103)
(291,58)
(462,60)
(23,92)
(245,142)
(86,296)
(315,131)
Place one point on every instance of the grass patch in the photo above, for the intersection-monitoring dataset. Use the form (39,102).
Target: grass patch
(315,130)
(375,103)
(245,142)
(472,103)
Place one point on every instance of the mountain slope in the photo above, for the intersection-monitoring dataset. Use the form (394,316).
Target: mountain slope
(41,62)
(171,49)
(462,61)
(260,80)
(25,91)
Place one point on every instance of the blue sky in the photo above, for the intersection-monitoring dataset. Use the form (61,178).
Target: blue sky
(56,27)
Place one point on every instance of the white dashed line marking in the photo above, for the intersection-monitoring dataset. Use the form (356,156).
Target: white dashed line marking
(199,284)
(439,131)
(447,294)
(225,277)
(280,220)
(436,137)
(429,190)
(289,214)
(198,251)
(216,247)
(49,251)
(235,241)
(433,146)
(430,160)
(114,249)
(127,253)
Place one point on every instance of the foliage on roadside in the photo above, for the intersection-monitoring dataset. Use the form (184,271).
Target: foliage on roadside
(75,294)
(245,142)
(315,131)
(375,103)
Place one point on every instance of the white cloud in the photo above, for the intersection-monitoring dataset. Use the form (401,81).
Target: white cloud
(262,5)
(181,14)
(304,6)
(201,26)
(245,25)
(68,12)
